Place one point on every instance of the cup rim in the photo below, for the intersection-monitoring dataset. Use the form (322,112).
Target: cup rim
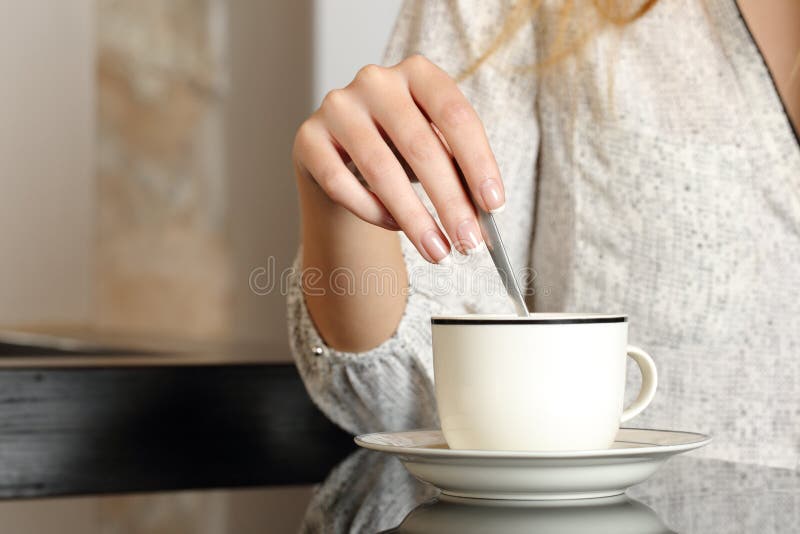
(533,318)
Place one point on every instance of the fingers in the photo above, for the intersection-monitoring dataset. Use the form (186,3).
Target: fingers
(442,101)
(414,138)
(395,122)
(353,128)
(323,162)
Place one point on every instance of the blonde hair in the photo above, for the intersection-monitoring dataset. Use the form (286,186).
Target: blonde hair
(573,27)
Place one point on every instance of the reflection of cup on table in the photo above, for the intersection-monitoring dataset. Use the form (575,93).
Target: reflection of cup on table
(591,516)
(545,382)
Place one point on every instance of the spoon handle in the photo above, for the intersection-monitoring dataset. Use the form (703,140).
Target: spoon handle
(491,235)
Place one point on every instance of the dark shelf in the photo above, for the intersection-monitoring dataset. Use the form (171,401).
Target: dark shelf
(92,429)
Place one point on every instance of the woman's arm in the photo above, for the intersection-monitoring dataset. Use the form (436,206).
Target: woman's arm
(335,239)
(349,227)
(390,387)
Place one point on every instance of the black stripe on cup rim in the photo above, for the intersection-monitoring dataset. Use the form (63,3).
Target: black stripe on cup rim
(545,318)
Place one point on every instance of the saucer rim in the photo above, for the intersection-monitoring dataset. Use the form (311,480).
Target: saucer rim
(700,441)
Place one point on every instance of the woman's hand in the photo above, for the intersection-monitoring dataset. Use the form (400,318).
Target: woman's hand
(416,110)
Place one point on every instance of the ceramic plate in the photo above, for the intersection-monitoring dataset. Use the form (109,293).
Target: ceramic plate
(634,457)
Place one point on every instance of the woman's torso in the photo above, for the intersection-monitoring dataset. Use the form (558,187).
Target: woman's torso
(656,174)
(669,189)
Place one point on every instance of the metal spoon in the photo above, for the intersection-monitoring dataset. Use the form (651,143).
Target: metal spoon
(491,235)
(494,243)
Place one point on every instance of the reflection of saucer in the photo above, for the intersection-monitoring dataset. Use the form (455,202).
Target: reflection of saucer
(635,455)
(617,515)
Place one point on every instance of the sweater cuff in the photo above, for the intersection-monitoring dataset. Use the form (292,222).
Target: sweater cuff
(413,330)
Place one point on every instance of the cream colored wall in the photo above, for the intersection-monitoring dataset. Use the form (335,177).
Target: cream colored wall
(46,161)
(197,112)
(270,93)
(155,224)
(162,258)
(168,244)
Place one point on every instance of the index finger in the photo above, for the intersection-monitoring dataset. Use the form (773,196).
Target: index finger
(450,111)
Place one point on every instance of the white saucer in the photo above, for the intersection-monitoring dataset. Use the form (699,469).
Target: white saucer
(635,455)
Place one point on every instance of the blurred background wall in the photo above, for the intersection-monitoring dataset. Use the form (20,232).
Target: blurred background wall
(162,263)
(144,155)
(145,171)
(46,160)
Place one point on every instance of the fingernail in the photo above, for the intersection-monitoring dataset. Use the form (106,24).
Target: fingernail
(467,233)
(435,246)
(477,250)
(492,196)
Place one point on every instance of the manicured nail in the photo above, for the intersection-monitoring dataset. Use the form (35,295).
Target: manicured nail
(467,233)
(492,196)
(435,246)
(477,250)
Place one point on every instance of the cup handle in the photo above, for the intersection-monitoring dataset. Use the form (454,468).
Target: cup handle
(649,382)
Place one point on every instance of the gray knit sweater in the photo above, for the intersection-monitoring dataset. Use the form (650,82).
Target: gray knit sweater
(655,174)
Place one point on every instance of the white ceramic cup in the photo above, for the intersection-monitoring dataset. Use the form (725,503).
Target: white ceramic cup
(548,382)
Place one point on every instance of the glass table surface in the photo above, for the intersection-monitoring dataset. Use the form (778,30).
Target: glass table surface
(372,492)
